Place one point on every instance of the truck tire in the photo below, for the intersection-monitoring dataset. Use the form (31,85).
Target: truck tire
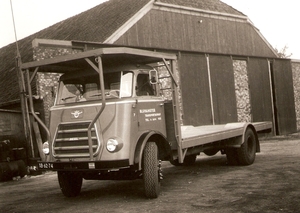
(188,161)
(211,152)
(247,152)
(22,168)
(70,183)
(151,170)
(232,157)
(5,172)
(175,162)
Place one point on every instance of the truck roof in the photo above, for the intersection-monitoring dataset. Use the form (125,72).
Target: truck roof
(111,56)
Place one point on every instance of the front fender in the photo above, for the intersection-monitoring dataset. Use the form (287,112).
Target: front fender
(161,142)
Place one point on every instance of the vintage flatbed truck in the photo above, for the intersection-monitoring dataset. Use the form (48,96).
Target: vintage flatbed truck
(110,121)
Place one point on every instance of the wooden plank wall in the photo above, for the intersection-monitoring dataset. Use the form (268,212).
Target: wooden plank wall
(196,97)
(260,89)
(223,89)
(190,32)
(193,72)
(195,89)
(196,92)
(11,128)
(284,92)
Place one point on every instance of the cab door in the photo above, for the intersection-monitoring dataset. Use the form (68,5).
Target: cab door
(150,106)
(151,114)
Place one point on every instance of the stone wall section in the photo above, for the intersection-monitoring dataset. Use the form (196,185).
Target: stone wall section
(165,83)
(296,83)
(47,83)
(242,90)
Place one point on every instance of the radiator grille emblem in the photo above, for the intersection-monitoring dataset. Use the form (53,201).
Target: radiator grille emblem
(77,113)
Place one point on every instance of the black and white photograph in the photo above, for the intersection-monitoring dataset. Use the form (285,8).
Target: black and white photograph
(149,106)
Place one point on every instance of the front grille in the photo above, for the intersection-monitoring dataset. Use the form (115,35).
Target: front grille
(72,141)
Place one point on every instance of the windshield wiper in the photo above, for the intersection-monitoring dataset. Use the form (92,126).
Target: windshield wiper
(98,94)
(113,93)
(66,98)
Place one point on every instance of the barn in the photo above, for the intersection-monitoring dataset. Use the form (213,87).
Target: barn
(220,53)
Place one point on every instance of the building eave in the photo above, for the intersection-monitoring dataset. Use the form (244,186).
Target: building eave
(178,8)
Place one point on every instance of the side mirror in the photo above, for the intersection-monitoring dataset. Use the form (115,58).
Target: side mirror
(153,76)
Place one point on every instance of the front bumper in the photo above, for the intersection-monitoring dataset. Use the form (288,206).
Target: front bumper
(84,166)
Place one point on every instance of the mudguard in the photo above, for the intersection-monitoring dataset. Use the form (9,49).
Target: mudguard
(161,142)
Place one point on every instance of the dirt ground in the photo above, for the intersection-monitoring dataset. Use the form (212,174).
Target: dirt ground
(271,184)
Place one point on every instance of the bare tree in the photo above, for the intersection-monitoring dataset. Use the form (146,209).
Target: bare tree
(282,53)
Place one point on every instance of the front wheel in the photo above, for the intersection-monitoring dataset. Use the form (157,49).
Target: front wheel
(70,183)
(151,170)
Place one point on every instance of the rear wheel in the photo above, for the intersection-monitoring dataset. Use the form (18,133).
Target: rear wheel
(70,183)
(232,156)
(211,152)
(247,152)
(151,170)
(175,162)
(188,161)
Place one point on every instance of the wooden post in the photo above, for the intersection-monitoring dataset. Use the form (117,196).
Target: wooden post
(38,140)
(24,107)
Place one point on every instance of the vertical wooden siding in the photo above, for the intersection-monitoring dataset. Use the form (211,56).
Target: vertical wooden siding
(178,31)
(195,89)
(11,128)
(260,89)
(285,103)
(223,89)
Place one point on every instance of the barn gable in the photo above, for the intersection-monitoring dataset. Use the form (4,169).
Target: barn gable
(179,26)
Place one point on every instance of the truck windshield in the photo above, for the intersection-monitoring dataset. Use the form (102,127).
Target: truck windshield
(87,88)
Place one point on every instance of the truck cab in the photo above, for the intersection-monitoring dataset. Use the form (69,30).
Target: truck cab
(108,118)
(133,107)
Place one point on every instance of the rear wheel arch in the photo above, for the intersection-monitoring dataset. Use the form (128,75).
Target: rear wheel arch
(250,126)
(246,153)
(248,146)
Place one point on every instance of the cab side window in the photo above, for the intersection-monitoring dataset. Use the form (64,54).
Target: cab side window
(143,86)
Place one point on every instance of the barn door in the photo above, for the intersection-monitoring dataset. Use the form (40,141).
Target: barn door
(283,96)
(260,90)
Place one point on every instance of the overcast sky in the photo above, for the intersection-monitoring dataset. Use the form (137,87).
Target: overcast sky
(277,20)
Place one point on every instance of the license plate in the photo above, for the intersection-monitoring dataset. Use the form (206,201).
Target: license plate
(45,165)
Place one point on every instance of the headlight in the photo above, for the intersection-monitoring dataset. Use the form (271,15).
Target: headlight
(46,148)
(112,145)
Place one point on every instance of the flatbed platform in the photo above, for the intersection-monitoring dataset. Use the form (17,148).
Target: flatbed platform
(200,135)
